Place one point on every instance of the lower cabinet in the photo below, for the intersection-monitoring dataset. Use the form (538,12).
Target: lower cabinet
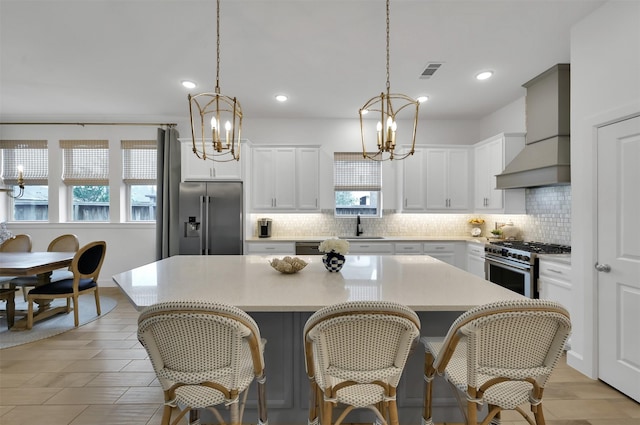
(264,248)
(475,259)
(443,251)
(554,282)
(370,247)
(408,248)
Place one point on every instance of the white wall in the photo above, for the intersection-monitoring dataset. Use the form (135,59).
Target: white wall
(605,85)
(510,118)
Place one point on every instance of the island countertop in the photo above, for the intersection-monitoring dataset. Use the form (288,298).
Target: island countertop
(248,281)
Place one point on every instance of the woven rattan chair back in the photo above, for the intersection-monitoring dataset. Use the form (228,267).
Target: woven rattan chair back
(501,354)
(17,243)
(355,353)
(204,355)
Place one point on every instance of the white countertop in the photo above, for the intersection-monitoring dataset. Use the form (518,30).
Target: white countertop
(250,283)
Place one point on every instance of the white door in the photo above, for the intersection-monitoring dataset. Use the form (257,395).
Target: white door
(618,260)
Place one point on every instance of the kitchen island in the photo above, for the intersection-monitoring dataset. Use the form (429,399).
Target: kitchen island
(281,303)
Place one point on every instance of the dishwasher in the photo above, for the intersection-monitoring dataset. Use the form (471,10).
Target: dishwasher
(307,248)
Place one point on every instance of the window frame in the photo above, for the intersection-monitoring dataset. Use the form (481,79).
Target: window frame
(353,172)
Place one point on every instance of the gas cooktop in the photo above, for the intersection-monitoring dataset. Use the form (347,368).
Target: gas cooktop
(534,247)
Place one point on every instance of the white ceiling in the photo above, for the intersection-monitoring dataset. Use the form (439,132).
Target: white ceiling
(123,60)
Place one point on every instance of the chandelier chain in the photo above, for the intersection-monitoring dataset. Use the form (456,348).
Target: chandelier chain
(218,46)
(388,73)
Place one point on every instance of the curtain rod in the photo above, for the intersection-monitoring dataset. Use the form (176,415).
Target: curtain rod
(91,123)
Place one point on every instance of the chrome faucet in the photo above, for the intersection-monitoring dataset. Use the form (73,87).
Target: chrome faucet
(358,227)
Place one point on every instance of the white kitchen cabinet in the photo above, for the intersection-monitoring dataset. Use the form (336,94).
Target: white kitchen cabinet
(408,248)
(193,168)
(444,251)
(273,179)
(308,184)
(413,182)
(436,179)
(276,248)
(475,259)
(554,281)
(370,247)
(490,157)
(447,182)
(284,179)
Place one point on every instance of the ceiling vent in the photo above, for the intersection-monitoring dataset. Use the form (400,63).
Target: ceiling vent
(431,69)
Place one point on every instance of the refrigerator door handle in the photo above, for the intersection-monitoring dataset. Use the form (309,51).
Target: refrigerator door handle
(207,200)
(203,226)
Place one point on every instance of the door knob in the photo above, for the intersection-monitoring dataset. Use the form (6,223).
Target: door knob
(603,267)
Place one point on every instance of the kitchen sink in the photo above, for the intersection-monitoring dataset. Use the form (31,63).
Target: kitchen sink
(361,237)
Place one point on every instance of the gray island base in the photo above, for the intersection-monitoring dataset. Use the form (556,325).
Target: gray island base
(281,304)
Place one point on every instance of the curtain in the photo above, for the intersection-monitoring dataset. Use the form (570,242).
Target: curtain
(167,229)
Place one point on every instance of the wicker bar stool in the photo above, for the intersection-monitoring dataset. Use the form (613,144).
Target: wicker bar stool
(501,354)
(355,353)
(204,355)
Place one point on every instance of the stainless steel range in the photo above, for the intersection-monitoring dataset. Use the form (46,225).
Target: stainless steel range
(514,264)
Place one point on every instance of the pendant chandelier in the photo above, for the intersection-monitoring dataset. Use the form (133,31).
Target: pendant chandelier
(216,120)
(386,133)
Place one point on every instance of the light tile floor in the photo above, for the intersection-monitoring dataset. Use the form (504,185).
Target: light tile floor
(99,374)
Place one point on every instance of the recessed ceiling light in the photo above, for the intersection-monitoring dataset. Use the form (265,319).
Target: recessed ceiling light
(484,75)
(281,98)
(422,99)
(188,84)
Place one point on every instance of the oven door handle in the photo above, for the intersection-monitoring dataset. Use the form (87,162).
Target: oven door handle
(507,265)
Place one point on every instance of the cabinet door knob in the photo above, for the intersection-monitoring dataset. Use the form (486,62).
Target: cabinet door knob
(603,267)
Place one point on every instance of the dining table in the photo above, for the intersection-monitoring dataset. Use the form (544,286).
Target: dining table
(39,264)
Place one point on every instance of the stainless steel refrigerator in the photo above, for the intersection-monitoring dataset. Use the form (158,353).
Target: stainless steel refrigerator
(210,218)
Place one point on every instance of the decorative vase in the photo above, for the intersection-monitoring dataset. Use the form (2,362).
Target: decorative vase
(333,261)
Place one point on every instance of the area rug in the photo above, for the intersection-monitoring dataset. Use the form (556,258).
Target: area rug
(53,325)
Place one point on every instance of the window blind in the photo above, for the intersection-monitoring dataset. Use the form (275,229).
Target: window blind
(31,154)
(85,162)
(353,172)
(139,161)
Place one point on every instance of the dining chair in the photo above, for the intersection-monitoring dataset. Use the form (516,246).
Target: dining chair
(63,243)
(86,265)
(205,356)
(355,353)
(17,243)
(499,354)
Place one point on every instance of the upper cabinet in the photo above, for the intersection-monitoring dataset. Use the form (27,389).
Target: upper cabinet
(490,157)
(284,179)
(437,179)
(196,169)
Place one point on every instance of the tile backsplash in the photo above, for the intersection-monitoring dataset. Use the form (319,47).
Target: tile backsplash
(548,219)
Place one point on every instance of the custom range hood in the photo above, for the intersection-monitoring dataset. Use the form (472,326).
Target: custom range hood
(545,159)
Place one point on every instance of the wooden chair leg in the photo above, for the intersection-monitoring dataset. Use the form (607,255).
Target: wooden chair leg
(313,403)
(262,400)
(30,314)
(97,295)
(393,413)
(76,316)
(327,412)
(428,389)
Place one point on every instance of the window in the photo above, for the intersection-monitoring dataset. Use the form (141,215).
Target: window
(139,171)
(32,155)
(85,170)
(357,185)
